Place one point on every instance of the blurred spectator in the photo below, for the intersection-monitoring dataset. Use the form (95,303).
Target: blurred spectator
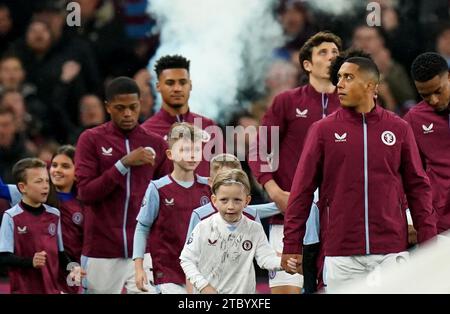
(395,89)
(282,75)
(443,43)
(143,78)
(6,26)
(92,113)
(241,142)
(46,151)
(297,25)
(103,28)
(12,144)
(12,78)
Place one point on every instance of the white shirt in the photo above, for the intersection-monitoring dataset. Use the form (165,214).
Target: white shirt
(221,254)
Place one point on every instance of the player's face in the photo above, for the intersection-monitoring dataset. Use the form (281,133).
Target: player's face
(321,58)
(230,200)
(62,173)
(36,188)
(124,110)
(175,87)
(351,85)
(436,92)
(186,154)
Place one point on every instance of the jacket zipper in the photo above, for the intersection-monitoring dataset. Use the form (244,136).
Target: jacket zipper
(127,202)
(366,187)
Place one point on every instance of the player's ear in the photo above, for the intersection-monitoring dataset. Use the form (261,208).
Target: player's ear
(213,199)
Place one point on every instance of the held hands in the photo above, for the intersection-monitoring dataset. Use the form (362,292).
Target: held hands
(139,156)
(76,274)
(39,259)
(292,263)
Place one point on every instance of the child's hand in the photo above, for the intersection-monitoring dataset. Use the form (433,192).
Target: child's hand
(141,279)
(76,274)
(39,259)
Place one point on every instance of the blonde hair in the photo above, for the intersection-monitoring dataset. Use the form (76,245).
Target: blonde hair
(232,176)
(223,160)
(183,130)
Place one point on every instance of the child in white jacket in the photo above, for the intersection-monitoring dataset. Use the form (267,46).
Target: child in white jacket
(218,256)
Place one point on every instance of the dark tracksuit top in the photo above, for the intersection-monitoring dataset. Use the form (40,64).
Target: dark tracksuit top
(112,199)
(432,132)
(363,165)
(293,111)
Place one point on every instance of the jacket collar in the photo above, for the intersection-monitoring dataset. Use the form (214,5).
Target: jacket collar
(370,117)
(166,116)
(112,128)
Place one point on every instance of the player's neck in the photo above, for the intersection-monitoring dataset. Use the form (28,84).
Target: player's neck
(175,111)
(180,174)
(365,107)
(321,85)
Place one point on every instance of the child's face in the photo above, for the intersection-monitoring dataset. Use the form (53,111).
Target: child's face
(62,173)
(230,200)
(36,188)
(186,154)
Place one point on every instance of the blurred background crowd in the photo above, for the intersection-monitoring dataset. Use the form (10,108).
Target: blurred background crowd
(52,76)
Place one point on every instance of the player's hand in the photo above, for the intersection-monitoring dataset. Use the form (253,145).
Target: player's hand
(208,290)
(39,259)
(412,235)
(141,279)
(139,156)
(292,263)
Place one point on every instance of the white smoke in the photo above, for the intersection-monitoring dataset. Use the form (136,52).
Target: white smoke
(229,43)
(337,7)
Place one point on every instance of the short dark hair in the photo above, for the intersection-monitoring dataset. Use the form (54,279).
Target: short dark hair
(339,61)
(20,167)
(121,85)
(171,62)
(314,41)
(366,65)
(428,65)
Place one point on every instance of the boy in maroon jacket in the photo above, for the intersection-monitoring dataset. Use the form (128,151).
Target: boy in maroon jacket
(113,164)
(174,84)
(363,159)
(430,121)
(294,111)
(30,235)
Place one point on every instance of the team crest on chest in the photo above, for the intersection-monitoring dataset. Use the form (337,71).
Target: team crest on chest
(247,245)
(388,138)
(52,229)
(204,200)
(77,218)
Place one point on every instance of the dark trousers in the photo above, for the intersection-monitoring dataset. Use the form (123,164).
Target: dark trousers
(310,254)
